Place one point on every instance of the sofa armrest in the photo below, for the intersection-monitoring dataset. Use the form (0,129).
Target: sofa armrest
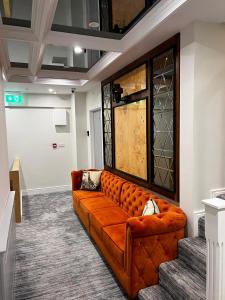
(76,177)
(150,241)
(165,222)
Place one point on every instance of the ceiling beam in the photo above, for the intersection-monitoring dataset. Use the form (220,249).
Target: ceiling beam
(19,79)
(65,82)
(42,17)
(4,58)
(84,41)
(68,75)
(156,16)
(17,33)
(43,13)
(102,64)
(18,72)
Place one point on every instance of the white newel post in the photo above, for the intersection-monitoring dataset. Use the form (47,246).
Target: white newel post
(215,238)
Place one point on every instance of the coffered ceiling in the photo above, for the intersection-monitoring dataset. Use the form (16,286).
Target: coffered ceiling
(41,52)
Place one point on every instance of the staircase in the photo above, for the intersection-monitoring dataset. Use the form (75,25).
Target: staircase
(185,277)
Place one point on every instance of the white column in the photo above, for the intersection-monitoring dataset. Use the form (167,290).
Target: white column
(73,130)
(215,237)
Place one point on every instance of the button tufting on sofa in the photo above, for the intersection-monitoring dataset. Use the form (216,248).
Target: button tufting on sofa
(132,244)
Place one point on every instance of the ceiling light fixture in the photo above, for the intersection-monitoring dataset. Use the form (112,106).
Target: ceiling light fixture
(78,50)
(54,93)
(50,90)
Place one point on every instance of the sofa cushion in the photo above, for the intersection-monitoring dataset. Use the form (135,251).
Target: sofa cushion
(111,186)
(151,208)
(90,180)
(106,217)
(91,204)
(114,238)
(81,194)
(133,199)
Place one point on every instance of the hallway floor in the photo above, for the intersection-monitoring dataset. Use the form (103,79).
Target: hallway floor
(55,258)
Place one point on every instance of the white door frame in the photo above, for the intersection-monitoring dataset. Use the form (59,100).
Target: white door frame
(91,115)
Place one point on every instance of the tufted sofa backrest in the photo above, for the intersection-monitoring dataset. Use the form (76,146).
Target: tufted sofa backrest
(165,206)
(111,186)
(133,199)
(130,197)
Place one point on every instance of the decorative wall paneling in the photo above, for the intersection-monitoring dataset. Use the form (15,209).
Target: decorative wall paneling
(107,128)
(162,66)
(130,121)
(162,155)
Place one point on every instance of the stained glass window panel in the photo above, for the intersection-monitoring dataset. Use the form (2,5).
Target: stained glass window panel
(107,127)
(163,120)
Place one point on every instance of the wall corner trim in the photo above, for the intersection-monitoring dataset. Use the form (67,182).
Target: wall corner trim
(7,248)
(5,222)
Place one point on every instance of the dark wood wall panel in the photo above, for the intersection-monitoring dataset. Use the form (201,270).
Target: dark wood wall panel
(145,142)
(130,133)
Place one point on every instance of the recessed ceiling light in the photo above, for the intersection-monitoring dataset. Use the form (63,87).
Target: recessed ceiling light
(93,24)
(54,92)
(78,50)
(50,90)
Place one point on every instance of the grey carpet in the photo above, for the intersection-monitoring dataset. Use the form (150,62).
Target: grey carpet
(154,292)
(182,282)
(192,251)
(55,259)
(222,196)
(201,227)
(185,277)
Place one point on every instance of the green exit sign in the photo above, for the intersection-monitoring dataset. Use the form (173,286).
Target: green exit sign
(13,99)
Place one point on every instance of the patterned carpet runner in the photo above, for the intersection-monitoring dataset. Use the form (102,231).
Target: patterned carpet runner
(183,278)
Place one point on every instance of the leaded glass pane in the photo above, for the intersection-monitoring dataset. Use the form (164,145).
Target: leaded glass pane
(163,120)
(107,127)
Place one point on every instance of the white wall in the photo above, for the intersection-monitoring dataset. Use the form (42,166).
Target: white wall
(4,167)
(81,130)
(202,138)
(93,101)
(31,133)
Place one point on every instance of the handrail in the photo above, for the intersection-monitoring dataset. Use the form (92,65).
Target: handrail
(15,165)
(14,175)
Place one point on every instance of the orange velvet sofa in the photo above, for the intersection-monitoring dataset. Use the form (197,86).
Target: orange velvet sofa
(133,245)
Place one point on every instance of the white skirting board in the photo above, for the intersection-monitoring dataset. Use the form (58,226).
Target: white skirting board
(7,249)
(46,190)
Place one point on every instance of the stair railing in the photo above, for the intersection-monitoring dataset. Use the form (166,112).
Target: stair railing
(215,238)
